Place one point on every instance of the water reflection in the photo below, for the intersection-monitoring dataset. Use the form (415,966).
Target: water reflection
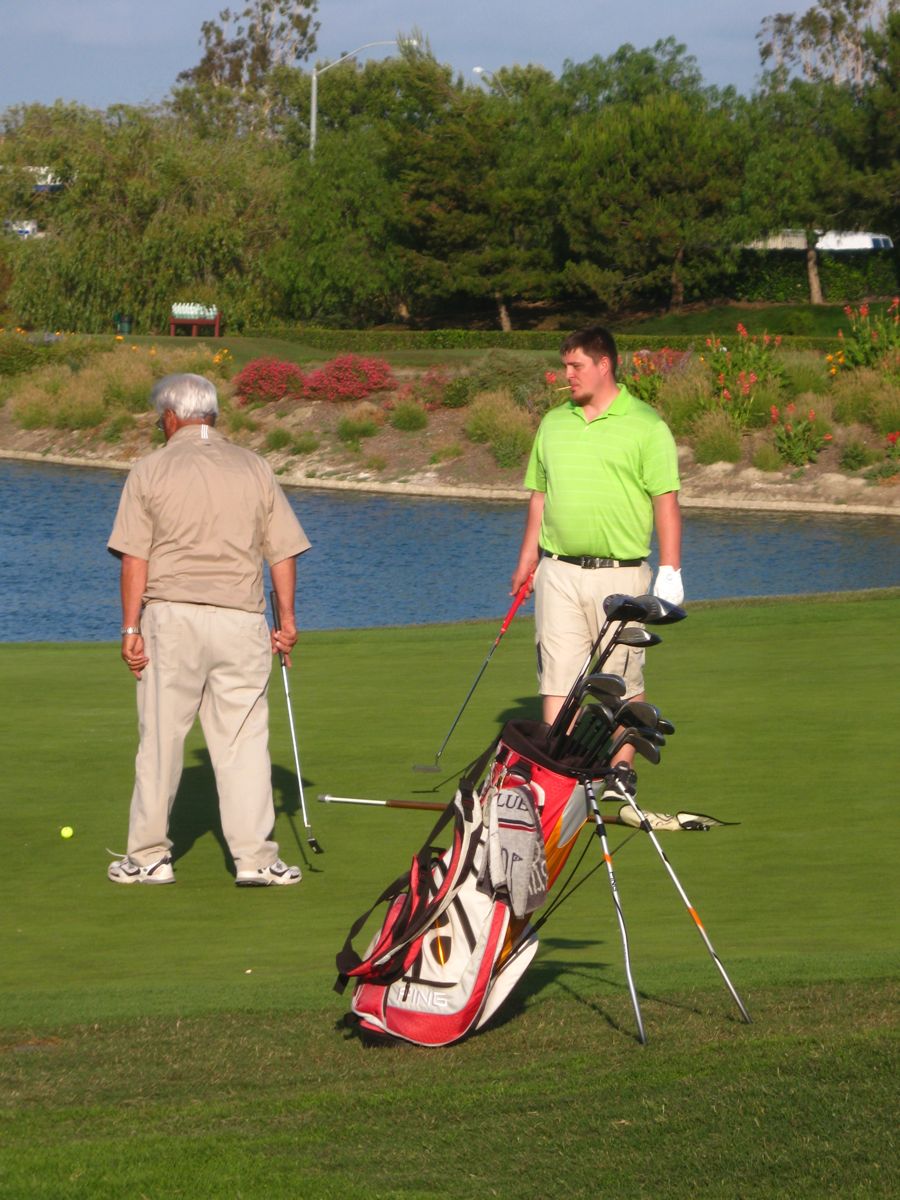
(386,560)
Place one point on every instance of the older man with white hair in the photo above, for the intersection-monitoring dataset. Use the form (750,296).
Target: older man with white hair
(195,521)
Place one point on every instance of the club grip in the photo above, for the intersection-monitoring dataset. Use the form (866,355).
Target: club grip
(517,603)
(276,615)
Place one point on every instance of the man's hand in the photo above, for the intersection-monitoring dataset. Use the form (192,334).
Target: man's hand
(284,640)
(668,585)
(523,574)
(133,655)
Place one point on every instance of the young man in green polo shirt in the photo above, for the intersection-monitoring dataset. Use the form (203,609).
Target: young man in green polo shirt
(603,472)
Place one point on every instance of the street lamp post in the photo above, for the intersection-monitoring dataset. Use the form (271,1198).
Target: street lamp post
(314,94)
(491,79)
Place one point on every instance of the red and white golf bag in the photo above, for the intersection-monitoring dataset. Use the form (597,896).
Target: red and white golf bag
(456,936)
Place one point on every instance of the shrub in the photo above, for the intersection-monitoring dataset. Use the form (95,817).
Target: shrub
(855,456)
(305,443)
(853,394)
(885,409)
(117,426)
(265,380)
(133,397)
(767,458)
(240,422)
(874,339)
(683,397)
(648,369)
(798,439)
(446,453)
(408,416)
(458,392)
(496,419)
(738,372)
(277,439)
(348,377)
(805,372)
(351,430)
(17,354)
(716,439)
(73,414)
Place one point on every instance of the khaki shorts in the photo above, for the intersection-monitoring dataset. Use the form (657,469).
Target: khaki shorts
(568,617)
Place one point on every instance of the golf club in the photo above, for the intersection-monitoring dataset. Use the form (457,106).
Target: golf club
(428,806)
(313,844)
(644,741)
(695,917)
(600,828)
(519,599)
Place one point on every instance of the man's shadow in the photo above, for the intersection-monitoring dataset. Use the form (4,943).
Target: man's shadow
(195,812)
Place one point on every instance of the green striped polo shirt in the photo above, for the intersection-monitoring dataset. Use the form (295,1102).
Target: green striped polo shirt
(600,476)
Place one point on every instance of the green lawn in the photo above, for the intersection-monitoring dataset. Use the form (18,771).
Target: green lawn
(185,1041)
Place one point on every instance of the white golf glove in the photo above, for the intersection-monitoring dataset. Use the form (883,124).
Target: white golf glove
(668,585)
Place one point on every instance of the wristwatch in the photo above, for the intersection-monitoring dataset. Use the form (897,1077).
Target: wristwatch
(126,629)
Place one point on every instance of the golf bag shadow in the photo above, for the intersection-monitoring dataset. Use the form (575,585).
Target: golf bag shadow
(456,936)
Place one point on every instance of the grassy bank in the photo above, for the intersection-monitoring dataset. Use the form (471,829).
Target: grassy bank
(185,1041)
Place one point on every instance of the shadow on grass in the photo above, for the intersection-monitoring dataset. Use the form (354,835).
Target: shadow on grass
(195,812)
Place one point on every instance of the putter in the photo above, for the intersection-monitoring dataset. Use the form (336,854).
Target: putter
(311,841)
(521,594)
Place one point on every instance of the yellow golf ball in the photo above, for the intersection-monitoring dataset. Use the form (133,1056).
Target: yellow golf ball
(66,831)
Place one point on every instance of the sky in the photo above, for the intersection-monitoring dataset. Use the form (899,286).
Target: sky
(103,52)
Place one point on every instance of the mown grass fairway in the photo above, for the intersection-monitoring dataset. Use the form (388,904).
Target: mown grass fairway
(185,1041)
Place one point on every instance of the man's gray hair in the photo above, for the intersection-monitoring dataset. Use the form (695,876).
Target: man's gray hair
(189,397)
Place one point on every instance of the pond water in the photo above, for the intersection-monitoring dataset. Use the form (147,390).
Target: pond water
(386,560)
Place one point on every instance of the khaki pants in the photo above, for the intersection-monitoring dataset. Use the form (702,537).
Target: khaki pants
(214,662)
(568,617)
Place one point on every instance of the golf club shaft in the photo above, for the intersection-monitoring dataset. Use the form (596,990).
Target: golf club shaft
(620,916)
(519,599)
(276,617)
(430,806)
(695,917)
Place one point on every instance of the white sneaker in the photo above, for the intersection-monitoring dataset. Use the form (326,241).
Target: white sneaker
(275,873)
(126,870)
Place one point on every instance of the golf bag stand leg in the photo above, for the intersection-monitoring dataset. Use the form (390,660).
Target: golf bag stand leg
(620,916)
(695,916)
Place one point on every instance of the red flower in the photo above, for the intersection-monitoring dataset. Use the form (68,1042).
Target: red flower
(826,437)
(864,310)
(894,437)
(774,414)
(550,377)
(742,330)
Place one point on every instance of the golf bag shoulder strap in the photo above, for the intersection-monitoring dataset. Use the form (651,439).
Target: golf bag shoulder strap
(415,899)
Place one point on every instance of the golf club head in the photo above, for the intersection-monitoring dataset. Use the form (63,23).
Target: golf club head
(643,746)
(645,742)
(619,607)
(658,612)
(610,686)
(633,635)
(639,712)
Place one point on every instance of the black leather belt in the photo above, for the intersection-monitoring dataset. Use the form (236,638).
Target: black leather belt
(591,564)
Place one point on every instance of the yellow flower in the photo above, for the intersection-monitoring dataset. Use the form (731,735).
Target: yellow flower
(119,337)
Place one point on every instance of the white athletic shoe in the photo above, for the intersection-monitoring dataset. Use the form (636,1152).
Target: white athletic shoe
(275,873)
(126,870)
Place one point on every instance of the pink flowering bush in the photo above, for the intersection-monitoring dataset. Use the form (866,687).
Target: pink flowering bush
(268,379)
(348,378)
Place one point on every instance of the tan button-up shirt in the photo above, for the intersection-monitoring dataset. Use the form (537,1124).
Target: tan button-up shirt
(204,513)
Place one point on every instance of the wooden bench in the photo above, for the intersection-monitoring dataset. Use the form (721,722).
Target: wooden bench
(195,324)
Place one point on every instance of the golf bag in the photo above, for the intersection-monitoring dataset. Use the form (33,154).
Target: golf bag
(456,936)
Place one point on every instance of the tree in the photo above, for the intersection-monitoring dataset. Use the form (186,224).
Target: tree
(651,210)
(237,83)
(149,214)
(829,43)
